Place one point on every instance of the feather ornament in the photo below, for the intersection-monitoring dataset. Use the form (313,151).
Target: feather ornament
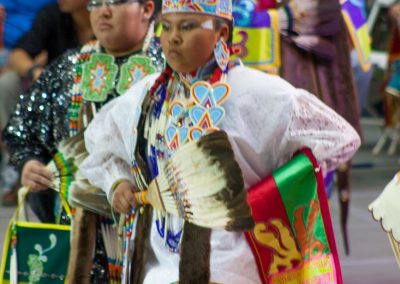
(73,186)
(203,184)
(84,195)
(64,165)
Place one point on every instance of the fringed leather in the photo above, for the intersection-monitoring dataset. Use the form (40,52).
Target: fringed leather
(83,240)
(142,244)
(194,266)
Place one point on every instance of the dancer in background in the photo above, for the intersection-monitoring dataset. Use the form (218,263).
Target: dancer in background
(57,28)
(52,110)
(307,43)
(315,52)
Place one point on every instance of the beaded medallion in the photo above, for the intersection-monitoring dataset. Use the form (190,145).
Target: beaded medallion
(98,77)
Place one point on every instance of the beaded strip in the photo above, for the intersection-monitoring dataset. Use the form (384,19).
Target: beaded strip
(76,99)
(66,171)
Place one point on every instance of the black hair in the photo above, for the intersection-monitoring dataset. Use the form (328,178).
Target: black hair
(157,8)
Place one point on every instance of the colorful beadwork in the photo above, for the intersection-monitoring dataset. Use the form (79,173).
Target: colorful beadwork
(221,54)
(98,77)
(66,171)
(95,77)
(135,69)
(220,8)
(177,113)
(129,222)
(76,99)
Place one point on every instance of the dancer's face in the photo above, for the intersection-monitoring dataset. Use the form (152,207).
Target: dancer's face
(120,26)
(188,40)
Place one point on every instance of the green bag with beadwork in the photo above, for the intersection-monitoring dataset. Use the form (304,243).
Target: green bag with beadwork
(35,252)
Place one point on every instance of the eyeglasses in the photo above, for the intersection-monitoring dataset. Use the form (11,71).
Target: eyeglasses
(95,4)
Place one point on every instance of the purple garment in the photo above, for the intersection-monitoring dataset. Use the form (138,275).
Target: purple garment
(316,17)
(330,80)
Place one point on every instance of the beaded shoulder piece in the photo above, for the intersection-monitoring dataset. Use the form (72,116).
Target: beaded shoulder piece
(97,76)
(76,100)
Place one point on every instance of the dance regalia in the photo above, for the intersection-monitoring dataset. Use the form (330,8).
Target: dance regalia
(309,46)
(48,113)
(267,121)
(303,40)
(42,117)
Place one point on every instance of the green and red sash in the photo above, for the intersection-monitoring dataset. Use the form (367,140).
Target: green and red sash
(293,240)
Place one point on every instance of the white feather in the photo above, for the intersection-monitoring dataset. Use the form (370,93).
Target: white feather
(194,186)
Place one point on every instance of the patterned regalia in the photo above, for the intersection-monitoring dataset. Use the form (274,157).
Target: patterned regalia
(57,105)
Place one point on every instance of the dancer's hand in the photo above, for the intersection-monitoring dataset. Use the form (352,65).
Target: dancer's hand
(35,176)
(123,197)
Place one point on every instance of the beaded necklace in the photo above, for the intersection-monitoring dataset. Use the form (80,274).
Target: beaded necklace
(182,108)
(76,99)
(97,76)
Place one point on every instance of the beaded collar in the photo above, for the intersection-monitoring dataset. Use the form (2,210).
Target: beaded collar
(96,75)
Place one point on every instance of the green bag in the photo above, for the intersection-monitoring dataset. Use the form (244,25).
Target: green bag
(35,252)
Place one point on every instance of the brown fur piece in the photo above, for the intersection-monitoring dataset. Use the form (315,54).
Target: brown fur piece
(142,244)
(194,266)
(83,240)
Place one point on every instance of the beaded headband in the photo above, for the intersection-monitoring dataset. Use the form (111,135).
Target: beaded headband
(219,8)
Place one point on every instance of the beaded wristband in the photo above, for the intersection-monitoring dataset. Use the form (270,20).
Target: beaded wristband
(141,198)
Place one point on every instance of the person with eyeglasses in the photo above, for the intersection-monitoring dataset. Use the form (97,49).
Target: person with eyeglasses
(92,5)
(201,91)
(56,28)
(61,103)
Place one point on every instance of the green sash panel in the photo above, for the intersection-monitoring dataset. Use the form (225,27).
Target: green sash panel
(35,252)
(293,241)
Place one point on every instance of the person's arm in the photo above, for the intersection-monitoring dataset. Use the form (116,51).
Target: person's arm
(278,120)
(313,124)
(30,129)
(110,142)
(24,64)
(32,43)
(108,161)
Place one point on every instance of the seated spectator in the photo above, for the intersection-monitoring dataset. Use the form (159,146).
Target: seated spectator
(20,15)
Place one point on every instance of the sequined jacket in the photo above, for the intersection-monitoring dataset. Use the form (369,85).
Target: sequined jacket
(41,118)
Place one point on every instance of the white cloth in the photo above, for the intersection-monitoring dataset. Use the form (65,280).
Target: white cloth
(385,208)
(267,121)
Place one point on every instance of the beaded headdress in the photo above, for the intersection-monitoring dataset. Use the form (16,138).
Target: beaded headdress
(219,8)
